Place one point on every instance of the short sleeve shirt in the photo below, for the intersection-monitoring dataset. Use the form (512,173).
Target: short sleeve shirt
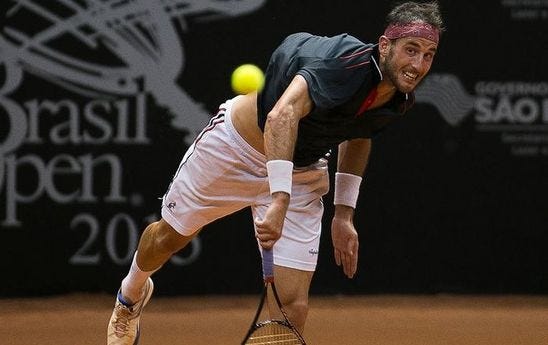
(340,72)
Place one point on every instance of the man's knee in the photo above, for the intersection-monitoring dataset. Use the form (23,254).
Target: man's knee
(297,306)
(166,238)
(297,312)
(293,285)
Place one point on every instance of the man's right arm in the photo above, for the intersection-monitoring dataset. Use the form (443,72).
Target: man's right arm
(280,135)
(280,132)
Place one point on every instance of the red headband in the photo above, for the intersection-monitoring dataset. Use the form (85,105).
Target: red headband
(414,29)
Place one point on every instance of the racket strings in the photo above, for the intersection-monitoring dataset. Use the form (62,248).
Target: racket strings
(273,334)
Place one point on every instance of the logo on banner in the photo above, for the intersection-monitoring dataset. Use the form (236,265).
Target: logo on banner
(113,55)
(516,110)
(138,39)
(526,10)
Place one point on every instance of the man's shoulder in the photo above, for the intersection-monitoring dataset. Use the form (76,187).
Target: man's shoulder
(312,44)
(341,37)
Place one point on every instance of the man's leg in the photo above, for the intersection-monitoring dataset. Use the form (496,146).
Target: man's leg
(197,195)
(158,243)
(296,252)
(292,286)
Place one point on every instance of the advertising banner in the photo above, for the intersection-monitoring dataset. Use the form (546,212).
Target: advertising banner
(99,100)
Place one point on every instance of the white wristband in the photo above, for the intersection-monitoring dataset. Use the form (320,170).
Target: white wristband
(280,174)
(347,189)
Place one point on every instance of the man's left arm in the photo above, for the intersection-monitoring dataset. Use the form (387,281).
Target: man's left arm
(352,160)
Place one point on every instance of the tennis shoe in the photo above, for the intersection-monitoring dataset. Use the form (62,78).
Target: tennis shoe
(123,327)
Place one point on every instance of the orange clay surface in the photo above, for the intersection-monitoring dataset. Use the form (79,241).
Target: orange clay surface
(379,320)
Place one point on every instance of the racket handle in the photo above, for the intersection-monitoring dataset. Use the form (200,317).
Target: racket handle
(268,264)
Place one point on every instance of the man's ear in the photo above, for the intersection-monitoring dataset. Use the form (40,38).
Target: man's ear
(384,46)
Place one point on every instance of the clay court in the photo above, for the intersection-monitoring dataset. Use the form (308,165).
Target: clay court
(379,320)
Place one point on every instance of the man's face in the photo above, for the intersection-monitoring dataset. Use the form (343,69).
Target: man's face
(406,61)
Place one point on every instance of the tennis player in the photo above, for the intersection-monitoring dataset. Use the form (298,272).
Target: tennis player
(269,151)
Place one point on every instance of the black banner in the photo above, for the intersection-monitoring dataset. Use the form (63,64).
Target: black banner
(99,101)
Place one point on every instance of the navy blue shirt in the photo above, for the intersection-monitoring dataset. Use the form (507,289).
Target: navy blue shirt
(340,71)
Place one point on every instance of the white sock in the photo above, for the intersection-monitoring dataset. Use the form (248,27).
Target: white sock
(133,283)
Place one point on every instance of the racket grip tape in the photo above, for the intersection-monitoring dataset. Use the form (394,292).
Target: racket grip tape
(268,264)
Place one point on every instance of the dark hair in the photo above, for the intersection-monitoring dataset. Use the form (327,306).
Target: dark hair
(408,12)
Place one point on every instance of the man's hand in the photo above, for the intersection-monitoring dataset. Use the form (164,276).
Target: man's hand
(269,229)
(345,244)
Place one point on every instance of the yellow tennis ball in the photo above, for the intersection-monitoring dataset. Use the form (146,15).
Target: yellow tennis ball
(247,78)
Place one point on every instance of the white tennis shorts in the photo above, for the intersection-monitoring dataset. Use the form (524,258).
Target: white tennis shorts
(221,174)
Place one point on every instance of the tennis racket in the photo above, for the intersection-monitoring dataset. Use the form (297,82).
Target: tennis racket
(271,331)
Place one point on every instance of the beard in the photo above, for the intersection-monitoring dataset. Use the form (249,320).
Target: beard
(392,72)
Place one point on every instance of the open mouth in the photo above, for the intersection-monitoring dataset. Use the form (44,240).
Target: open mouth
(410,77)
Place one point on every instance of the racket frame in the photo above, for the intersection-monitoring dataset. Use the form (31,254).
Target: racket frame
(268,277)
